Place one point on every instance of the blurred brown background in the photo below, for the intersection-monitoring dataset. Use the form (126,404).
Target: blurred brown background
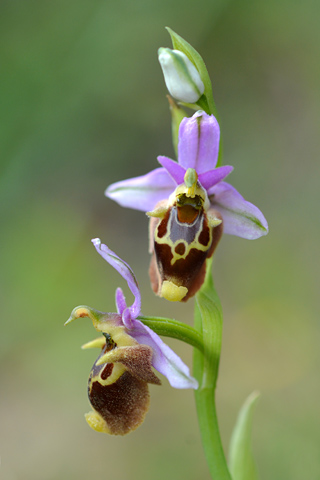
(83,105)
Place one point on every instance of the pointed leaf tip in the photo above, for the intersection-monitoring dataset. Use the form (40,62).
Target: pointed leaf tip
(241,462)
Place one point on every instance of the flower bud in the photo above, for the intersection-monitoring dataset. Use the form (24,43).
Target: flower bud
(181,76)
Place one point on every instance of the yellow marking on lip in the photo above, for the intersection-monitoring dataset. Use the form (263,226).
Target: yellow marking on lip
(96,422)
(172,292)
(117,371)
(166,240)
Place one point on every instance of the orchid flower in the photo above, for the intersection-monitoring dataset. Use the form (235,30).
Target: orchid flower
(117,389)
(198,148)
(191,204)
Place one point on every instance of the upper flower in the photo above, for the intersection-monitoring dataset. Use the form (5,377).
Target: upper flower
(118,380)
(198,149)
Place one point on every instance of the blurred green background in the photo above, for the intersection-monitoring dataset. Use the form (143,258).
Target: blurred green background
(83,105)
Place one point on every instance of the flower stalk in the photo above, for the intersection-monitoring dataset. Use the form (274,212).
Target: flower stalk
(208,322)
(168,327)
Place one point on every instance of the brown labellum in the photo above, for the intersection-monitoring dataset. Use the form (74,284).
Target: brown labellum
(118,390)
(183,234)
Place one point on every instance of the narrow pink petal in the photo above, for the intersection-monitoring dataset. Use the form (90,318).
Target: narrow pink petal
(144,192)
(125,271)
(212,177)
(240,217)
(198,146)
(120,301)
(175,170)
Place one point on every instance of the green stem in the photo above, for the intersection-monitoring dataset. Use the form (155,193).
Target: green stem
(174,329)
(208,322)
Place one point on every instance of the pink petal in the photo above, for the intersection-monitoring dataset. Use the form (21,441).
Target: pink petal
(240,217)
(120,301)
(198,146)
(144,192)
(212,177)
(125,271)
(175,170)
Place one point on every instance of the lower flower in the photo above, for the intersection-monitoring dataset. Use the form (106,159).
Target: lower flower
(118,381)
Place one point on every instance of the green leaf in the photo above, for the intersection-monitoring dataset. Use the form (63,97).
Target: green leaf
(241,463)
